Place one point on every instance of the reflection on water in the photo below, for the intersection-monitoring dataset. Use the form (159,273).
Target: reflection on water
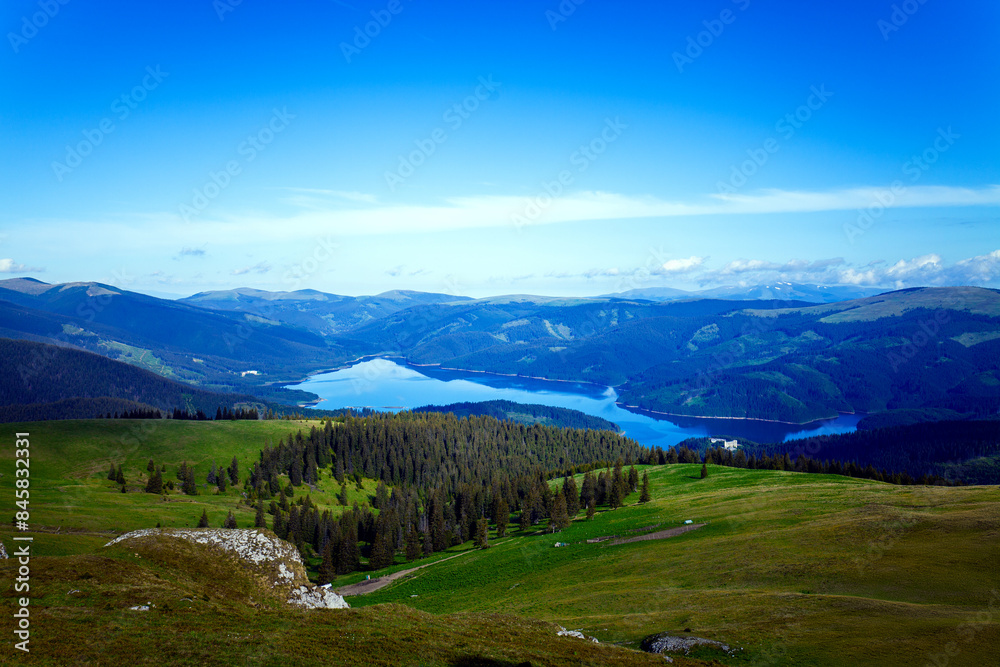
(384,384)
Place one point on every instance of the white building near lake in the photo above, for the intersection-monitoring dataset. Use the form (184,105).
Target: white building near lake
(731,445)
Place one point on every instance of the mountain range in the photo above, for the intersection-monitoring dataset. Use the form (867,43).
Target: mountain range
(804,356)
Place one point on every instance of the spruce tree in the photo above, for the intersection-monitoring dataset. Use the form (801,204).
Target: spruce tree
(704,470)
(229,521)
(502,518)
(120,475)
(189,486)
(349,555)
(259,519)
(644,496)
(150,467)
(155,483)
(203,521)
(559,519)
(569,492)
(412,544)
(428,546)
(382,555)
(591,509)
(589,490)
(482,534)
(234,472)
(328,566)
(633,479)
(112,474)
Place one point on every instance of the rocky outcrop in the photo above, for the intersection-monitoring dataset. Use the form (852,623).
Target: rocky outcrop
(316,597)
(563,632)
(667,643)
(275,560)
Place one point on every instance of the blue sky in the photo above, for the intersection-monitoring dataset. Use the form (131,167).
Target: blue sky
(494,147)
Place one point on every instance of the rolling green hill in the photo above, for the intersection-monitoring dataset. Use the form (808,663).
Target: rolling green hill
(791,568)
(211,349)
(51,382)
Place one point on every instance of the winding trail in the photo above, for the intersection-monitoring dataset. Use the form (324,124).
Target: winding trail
(660,534)
(371,585)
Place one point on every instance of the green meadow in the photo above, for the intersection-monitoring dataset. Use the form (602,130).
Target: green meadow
(790,568)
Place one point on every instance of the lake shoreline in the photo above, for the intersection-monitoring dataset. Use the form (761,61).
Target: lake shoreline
(667,417)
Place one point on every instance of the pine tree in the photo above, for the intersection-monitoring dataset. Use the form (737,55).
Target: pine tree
(279,526)
(328,567)
(591,509)
(229,521)
(112,474)
(210,479)
(412,544)
(382,555)
(189,486)
(482,534)
(234,472)
(203,521)
(120,475)
(439,531)
(150,467)
(502,518)
(259,519)
(428,546)
(589,490)
(559,519)
(349,555)
(617,492)
(572,496)
(155,483)
(633,479)
(704,470)
(644,496)
(221,481)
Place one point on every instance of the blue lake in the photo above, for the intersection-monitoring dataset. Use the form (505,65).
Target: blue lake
(384,384)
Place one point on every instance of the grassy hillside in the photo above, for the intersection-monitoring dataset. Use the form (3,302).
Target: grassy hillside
(806,569)
(792,568)
(70,459)
(206,611)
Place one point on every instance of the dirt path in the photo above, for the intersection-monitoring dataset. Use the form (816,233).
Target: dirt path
(370,585)
(660,534)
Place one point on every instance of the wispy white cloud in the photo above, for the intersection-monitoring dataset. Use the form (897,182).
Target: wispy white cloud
(10,266)
(980,269)
(674,266)
(917,271)
(259,267)
(362,215)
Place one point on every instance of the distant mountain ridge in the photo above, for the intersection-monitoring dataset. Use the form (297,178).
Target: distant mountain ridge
(323,313)
(213,349)
(768,291)
(918,351)
(39,381)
